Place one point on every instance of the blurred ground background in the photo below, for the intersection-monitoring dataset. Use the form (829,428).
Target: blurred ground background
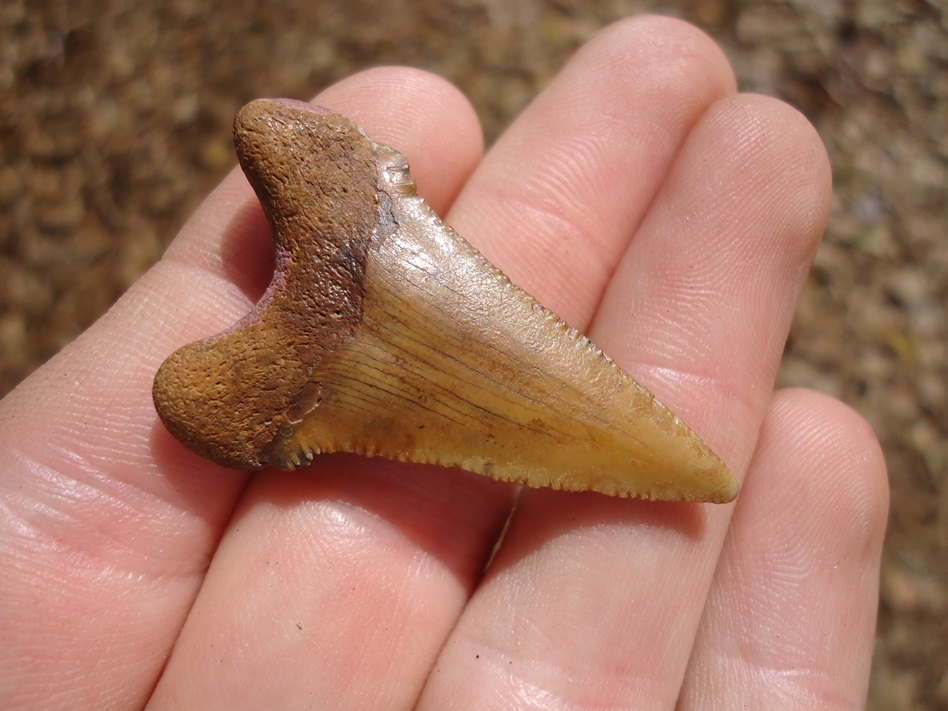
(115,121)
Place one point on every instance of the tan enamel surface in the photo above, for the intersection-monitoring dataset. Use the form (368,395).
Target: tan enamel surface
(453,365)
(456,366)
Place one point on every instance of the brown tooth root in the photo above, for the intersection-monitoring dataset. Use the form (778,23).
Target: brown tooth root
(385,333)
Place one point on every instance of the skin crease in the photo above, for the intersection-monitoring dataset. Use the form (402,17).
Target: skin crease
(676,230)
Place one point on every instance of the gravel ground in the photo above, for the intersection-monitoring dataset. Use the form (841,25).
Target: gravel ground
(115,122)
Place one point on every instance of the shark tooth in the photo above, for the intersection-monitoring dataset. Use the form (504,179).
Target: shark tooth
(384,333)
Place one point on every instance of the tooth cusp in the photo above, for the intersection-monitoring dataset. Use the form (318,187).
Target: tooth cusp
(384,333)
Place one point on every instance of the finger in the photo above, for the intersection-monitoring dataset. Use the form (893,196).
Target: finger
(410,616)
(336,584)
(107,525)
(596,601)
(560,195)
(791,614)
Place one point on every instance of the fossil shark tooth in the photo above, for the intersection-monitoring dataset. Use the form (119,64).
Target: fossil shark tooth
(384,333)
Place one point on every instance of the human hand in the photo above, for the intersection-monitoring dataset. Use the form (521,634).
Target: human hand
(651,207)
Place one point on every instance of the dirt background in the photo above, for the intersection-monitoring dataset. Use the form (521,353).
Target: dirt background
(115,121)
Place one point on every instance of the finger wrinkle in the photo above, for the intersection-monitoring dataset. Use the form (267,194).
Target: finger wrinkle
(726,412)
(833,433)
(668,55)
(215,302)
(94,522)
(501,678)
(556,266)
(766,148)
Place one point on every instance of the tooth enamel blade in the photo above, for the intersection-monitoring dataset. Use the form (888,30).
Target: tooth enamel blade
(386,334)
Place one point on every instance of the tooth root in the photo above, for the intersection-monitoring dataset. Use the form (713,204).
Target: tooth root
(420,351)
